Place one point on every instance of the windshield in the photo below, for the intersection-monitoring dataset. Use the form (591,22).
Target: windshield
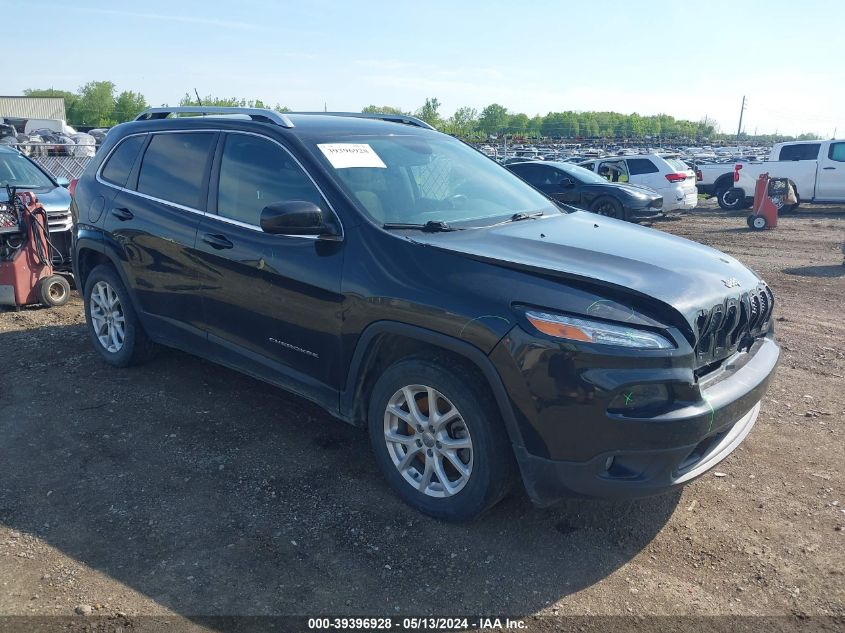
(579,173)
(17,171)
(431,178)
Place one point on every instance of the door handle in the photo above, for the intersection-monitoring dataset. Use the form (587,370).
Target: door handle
(215,240)
(122,214)
(828,167)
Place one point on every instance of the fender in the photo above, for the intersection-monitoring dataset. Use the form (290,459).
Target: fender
(471,353)
(95,240)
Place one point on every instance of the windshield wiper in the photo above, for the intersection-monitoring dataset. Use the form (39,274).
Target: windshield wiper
(432,226)
(516,217)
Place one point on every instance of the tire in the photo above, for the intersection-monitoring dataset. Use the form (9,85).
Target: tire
(750,220)
(107,307)
(758,222)
(729,200)
(472,423)
(608,207)
(53,291)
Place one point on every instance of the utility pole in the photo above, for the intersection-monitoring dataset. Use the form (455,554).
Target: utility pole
(741,111)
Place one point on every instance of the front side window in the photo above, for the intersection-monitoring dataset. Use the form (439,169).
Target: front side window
(417,178)
(837,152)
(174,165)
(800,151)
(254,173)
(119,164)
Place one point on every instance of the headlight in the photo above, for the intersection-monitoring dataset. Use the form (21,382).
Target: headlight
(575,329)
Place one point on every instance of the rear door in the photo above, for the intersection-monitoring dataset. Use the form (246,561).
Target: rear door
(830,182)
(643,171)
(271,303)
(152,224)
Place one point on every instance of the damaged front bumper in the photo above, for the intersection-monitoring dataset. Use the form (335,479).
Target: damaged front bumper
(575,447)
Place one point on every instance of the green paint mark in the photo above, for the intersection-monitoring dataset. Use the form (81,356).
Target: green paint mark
(712,412)
(595,303)
(629,397)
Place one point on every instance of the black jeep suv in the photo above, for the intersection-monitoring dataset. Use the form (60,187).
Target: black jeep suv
(407,283)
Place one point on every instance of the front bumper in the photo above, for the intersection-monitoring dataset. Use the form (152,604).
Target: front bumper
(570,445)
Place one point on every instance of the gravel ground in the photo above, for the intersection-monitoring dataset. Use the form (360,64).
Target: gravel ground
(182,489)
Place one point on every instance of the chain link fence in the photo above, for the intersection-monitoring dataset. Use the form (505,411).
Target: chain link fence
(59,160)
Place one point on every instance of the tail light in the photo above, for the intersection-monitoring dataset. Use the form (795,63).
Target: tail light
(699,175)
(676,177)
(72,186)
(736,172)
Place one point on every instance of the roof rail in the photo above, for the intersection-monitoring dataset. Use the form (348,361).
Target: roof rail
(271,116)
(256,114)
(394,118)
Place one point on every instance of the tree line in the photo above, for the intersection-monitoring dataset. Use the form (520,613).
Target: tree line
(98,104)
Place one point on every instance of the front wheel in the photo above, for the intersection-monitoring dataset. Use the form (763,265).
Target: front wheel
(439,440)
(608,207)
(758,222)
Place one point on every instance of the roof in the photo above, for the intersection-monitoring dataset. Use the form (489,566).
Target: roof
(21,107)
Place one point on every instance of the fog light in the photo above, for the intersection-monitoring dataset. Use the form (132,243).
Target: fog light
(639,397)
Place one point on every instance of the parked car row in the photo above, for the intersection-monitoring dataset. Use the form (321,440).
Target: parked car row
(409,285)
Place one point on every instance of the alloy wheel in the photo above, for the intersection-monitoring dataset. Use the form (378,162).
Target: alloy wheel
(107,317)
(428,441)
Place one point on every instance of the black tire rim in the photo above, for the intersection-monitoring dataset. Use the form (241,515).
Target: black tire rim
(730,199)
(607,209)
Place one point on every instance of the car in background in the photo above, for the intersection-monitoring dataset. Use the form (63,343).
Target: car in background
(18,171)
(584,189)
(671,177)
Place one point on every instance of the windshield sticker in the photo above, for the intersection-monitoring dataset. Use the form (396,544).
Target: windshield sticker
(345,155)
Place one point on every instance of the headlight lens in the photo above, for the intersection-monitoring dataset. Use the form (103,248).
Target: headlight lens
(575,329)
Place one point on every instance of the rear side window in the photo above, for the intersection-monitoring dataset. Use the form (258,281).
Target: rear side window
(677,164)
(804,151)
(119,164)
(637,166)
(174,165)
(254,173)
(837,152)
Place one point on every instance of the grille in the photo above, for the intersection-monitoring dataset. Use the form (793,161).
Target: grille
(727,327)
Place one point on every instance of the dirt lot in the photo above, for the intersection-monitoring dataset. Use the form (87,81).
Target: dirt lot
(183,489)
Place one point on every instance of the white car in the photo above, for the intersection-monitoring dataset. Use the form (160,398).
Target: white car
(671,177)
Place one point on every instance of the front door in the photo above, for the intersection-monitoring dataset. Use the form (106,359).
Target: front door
(271,303)
(830,178)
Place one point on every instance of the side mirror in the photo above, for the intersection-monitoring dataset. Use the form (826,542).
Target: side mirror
(566,182)
(294,217)
(63,182)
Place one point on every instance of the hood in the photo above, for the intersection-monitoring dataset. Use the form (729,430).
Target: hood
(56,199)
(680,273)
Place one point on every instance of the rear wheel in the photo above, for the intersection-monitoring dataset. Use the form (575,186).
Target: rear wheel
(730,199)
(439,440)
(608,207)
(113,324)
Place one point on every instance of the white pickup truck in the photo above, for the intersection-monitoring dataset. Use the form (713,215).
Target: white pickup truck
(815,168)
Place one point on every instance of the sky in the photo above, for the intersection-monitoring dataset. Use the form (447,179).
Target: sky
(690,60)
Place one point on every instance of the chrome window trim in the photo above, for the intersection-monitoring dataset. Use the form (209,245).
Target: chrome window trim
(98,177)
